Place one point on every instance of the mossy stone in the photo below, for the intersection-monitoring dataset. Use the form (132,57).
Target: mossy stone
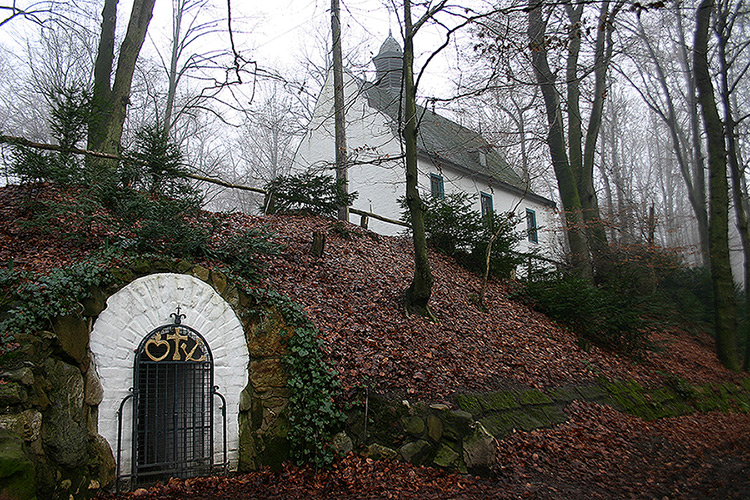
(11,393)
(266,374)
(219,281)
(201,273)
(457,424)
(470,403)
(267,338)
(502,400)
(273,452)
(413,425)
(555,415)
(95,302)
(416,452)
(64,431)
(592,393)
(563,395)
(533,397)
(101,461)
(377,451)
(17,472)
(183,266)
(498,425)
(446,456)
(73,334)
(528,419)
(141,266)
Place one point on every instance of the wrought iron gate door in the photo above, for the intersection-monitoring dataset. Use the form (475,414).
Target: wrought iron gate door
(173,405)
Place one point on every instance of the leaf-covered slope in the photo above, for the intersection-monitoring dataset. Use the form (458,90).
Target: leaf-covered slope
(353,294)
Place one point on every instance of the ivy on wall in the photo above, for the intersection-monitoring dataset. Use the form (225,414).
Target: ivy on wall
(29,304)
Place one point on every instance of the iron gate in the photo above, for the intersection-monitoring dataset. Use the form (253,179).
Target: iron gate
(173,411)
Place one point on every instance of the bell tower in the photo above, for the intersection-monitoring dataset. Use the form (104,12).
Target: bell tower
(389,65)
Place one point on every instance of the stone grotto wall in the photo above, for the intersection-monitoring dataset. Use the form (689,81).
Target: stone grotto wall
(60,391)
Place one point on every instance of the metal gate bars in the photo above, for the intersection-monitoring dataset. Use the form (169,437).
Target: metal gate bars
(173,412)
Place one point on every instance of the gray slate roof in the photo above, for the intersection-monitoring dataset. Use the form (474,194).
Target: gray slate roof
(447,143)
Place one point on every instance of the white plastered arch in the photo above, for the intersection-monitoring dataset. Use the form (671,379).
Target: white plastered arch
(135,311)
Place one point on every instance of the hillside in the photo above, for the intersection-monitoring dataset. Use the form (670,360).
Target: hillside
(353,294)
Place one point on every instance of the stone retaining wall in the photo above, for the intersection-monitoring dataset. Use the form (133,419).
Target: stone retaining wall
(464,439)
(50,394)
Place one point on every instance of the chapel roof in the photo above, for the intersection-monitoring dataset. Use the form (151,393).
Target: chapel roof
(447,143)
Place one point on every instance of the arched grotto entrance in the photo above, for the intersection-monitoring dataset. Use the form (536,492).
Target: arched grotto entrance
(163,366)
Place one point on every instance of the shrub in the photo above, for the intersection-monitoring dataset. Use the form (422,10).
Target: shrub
(307,193)
(598,315)
(455,228)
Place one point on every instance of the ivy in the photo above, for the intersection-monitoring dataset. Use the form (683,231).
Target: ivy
(29,304)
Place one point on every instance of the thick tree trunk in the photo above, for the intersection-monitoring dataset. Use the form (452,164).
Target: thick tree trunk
(603,55)
(723,32)
(418,294)
(566,180)
(338,105)
(110,103)
(725,321)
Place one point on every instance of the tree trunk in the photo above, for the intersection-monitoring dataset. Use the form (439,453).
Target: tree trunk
(566,181)
(110,103)
(418,294)
(338,106)
(725,322)
(723,33)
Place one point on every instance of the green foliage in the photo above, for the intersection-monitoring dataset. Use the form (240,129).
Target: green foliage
(597,314)
(68,116)
(155,165)
(455,228)
(31,302)
(307,193)
(313,412)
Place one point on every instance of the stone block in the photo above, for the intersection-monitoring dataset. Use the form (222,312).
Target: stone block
(479,450)
(533,397)
(93,392)
(17,472)
(413,426)
(434,428)
(73,334)
(11,393)
(342,443)
(446,456)
(498,401)
(416,452)
(26,424)
(267,374)
(23,375)
(377,451)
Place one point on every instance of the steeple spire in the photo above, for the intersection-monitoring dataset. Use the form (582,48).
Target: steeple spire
(389,64)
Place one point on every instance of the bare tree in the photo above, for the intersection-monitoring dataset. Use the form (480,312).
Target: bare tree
(725,323)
